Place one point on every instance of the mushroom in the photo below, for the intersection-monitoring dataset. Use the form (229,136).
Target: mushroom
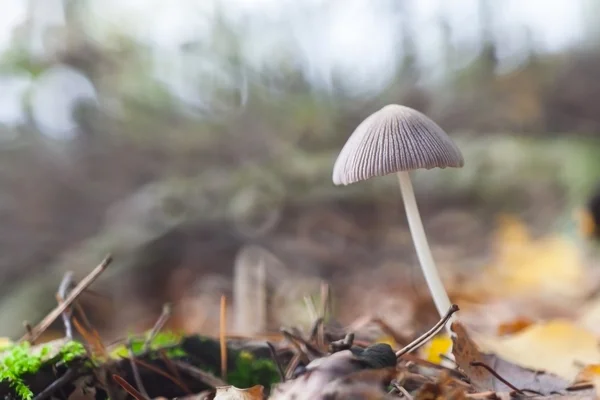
(398,139)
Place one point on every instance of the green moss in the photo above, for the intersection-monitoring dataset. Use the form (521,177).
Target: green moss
(250,371)
(21,360)
(163,340)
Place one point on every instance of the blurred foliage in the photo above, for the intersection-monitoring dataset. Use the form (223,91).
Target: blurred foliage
(199,133)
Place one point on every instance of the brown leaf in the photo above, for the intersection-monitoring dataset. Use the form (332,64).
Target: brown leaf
(334,377)
(467,353)
(233,393)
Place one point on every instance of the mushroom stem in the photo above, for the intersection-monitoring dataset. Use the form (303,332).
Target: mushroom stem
(434,282)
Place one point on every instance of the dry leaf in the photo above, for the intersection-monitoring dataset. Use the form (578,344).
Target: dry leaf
(555,346)
(233,393)
(435,348)
(590,373)
(522,264)
(514,326)
(466,353)
(340,373)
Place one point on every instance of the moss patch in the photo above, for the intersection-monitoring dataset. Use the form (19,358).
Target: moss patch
(250,371)
(21,360)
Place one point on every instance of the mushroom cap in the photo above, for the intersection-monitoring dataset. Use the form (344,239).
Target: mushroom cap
(395,138)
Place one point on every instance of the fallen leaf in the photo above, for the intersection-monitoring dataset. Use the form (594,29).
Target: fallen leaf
(341,372)
(556,346)
(233,393)
(436,347)
(514,326)
(471,361)
(523,264)
(590,373)
(589,316)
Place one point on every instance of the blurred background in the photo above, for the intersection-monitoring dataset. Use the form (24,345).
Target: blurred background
(195,140)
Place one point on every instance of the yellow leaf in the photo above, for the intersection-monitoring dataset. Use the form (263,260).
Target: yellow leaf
(436,347)
(556,346)
(590,373)
(233,393)
(523,264)
(514,326)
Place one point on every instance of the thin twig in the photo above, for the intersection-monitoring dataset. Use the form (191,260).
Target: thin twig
(173,369)
(325,300)
(276,361)
(204,377)
(63,288)
(87,337)
(310,307)
(51,317)
(418,342)
(501,379)
(130,389)
(300,352)
(160,323)
(314,330)
(176,380)
(428,364)
(401,390)
(343,344)
(222,338)
(298,339)
(292,366)
(83,316)
(56,385)
(134,369)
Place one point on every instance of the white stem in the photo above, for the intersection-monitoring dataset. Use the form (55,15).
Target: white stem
(434,282)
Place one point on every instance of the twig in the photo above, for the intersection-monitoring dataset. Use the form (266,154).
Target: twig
(314,331)
(92,338)
(580,386)
(292,337)
(344,344)
(299,350)
(292,365)
(222,338)
(130,389)
(176,380)
(276,361)
(160,323)
(84,319)
(173,369)
(482,396)
(204,377)
(401,390)
(428,364)
(415,344)
(501,379)
(134,369)
(325,300)
(56,385)
(51,317)
(63,288)
(310,307)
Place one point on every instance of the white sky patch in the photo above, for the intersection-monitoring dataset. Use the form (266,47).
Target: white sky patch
(357,41)
(55,97)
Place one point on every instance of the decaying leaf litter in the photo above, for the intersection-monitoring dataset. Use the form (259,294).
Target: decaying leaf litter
(556,358)
(327,363)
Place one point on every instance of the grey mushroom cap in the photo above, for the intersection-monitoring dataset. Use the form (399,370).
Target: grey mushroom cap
(395,138)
